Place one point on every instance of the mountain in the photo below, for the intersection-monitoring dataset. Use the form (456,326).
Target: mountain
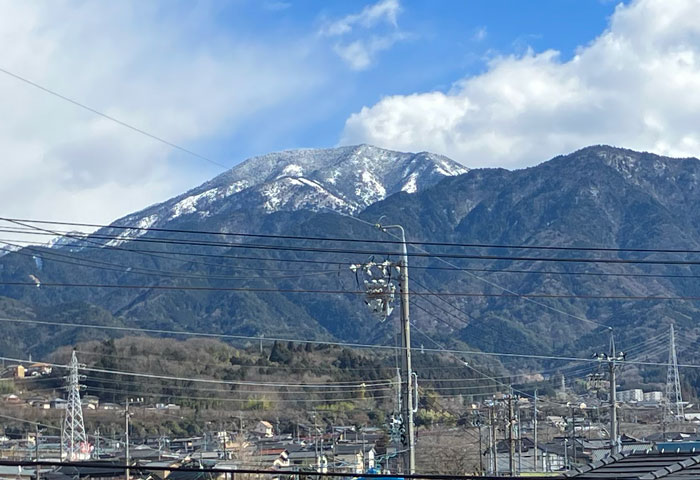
(596,197)
(345,180)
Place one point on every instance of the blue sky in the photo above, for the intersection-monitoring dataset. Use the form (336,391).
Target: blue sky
(445,41)
(488,83)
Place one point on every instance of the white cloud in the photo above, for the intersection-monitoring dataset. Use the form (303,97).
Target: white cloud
(159,70)
(637,85)
(480,34)
(358,49)
(360,53)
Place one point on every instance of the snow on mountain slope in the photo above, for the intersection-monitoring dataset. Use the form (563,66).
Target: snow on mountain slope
(345,179)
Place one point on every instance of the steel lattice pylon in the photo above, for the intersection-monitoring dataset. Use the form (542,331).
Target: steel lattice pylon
(74,442)
(673,384)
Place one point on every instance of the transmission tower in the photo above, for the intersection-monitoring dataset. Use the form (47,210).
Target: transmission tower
(73,439)
(673,384)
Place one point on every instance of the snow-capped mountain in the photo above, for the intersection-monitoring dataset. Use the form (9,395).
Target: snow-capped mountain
(345,179)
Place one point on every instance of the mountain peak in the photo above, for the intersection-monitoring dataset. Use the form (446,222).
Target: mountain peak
(345,179)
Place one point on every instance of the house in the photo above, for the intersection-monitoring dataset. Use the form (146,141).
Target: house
(652,465)
(263,429)
(353,457)
(600,448)
(12,399)
(557,421)
(551,457)
(14,371)
(38,369)
(308,460)
(15,473)
(59,403)
(161,469)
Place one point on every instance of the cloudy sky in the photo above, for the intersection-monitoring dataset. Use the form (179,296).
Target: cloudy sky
(495,83)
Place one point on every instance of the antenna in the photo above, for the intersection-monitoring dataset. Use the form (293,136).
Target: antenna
(74,442)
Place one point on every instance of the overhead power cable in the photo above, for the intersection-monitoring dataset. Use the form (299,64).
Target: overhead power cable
(355,384)
(516,296)
(347,251)
(112,119)
(360,240)
(151,272)
(343,344)
(163,253)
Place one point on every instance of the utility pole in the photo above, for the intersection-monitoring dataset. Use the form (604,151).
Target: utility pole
(380,294)
(406,344)
(36,449)
(613,359)
(511,436)
(476,422)
(534,421)
(492,439)
(126,443)
(520,443)
(573,433)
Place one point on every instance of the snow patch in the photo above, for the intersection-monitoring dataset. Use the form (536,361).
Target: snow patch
(410,185)
(235,187)
(189,205)
(125,235)
(449,170)
(292,170)
(369,190)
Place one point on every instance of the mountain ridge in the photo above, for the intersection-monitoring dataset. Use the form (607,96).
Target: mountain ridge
(597,196)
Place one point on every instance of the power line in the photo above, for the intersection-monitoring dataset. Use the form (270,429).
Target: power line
(342,344)
(363,240)
(113,119)
(354,384)
(101,246)
(158,273)
(347,251)
(359,292)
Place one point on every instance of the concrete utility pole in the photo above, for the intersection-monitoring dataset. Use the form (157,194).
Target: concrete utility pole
(126,442)
(476,422)
(379,297)
(613,359)
(36,449)
(534,421)
(520,442)
(492,439)
(511,436)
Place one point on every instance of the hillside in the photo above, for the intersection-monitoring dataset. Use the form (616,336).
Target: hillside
(596,197)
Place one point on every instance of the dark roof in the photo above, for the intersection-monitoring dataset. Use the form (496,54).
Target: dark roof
(101,471)
(180,475)
(642,466)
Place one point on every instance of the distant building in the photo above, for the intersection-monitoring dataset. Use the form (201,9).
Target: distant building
(628,396)
(14,371)
(38,369)
(655,396)
(263,429)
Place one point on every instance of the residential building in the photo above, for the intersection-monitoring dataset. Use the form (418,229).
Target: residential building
(655,396)
(551,456)
(629,396)
(263,429)
(641,466)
